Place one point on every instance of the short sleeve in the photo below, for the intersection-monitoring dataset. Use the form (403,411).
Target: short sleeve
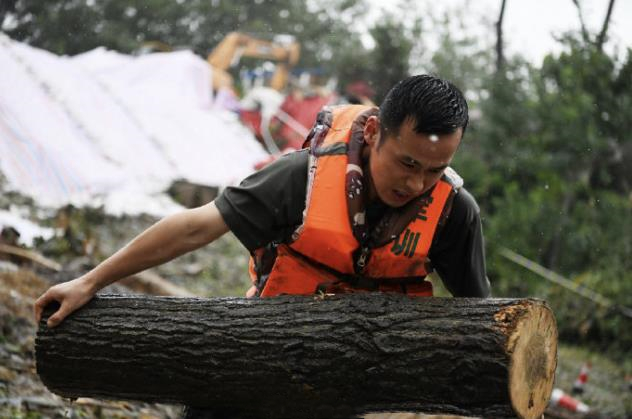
(458,251)
(268,205)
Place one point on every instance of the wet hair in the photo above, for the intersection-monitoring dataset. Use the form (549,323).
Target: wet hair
(436,106)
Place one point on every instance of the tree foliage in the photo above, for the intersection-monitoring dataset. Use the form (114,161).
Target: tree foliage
(559,137)
(389,60)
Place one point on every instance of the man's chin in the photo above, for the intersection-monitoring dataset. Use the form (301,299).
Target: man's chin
(396,200)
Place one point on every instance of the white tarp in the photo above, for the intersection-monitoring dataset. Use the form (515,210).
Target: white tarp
(107,128)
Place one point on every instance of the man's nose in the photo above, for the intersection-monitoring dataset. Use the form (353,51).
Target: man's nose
(415,184)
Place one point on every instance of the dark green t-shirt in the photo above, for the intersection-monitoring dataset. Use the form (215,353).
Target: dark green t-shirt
(268,206)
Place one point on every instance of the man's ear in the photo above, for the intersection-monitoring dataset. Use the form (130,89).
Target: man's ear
(372,130)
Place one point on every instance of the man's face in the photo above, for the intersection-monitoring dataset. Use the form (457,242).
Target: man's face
(406,164)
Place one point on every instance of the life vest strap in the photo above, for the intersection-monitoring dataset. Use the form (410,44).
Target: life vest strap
(353,280)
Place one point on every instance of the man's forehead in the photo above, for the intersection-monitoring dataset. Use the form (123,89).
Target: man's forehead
(425,150)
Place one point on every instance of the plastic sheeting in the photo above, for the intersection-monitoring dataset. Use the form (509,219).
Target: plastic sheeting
(103,128)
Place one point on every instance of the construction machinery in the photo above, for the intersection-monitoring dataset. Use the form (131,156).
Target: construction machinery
(284,51)
(281,117)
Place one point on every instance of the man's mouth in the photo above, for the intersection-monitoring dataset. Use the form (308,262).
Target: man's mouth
(401,196)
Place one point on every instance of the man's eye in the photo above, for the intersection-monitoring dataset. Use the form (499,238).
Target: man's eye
(408,164)
(436,171)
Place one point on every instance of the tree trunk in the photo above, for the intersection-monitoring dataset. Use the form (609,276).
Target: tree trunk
(308,357)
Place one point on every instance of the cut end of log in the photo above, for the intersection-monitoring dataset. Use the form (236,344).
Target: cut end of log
(532,347)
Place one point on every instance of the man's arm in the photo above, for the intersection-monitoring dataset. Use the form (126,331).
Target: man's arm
(458,253)
(167,239)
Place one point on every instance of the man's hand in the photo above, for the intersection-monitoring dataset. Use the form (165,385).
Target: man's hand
(70,295)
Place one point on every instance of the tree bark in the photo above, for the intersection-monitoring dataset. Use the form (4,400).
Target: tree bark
(308,357)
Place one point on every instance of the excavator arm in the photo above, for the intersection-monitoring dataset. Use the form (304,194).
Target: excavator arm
(236,45)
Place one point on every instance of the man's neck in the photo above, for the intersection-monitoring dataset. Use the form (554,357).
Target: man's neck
(370,196)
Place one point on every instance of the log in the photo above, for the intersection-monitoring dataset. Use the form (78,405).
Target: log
(308,357)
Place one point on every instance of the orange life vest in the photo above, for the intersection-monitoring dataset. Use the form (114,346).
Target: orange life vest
(323,254)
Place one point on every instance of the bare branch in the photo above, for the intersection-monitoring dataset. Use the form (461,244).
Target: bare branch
(500,59)
(604,28)
(581,21)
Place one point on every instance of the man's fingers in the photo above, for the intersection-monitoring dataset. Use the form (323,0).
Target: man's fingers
(58,316)
(54,320)
(41,303)
(37,312)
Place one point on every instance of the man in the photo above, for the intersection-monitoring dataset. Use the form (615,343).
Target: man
(371,205)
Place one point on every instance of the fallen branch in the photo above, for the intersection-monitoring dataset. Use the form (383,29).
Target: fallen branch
(29,255)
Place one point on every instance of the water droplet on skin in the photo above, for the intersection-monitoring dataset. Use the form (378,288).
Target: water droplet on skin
(434,138)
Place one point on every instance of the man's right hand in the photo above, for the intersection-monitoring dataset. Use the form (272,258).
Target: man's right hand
(71,296)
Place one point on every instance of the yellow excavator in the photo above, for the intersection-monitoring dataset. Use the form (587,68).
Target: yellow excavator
(284,52)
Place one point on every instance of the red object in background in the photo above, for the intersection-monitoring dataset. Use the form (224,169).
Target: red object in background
(272,157)
(292,123)
(303,109)
(252,120)
(360,89)
(561,399)
(582,378)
